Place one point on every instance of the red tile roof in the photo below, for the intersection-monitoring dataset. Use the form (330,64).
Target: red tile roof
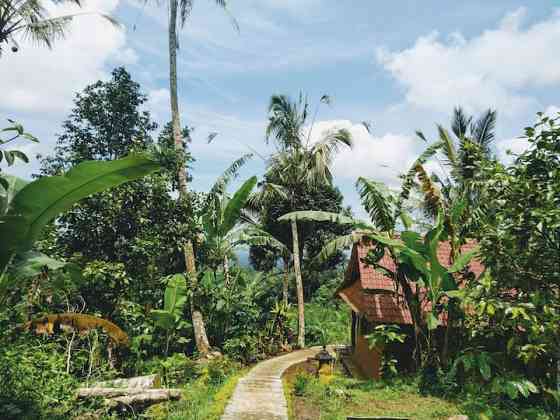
(373,294)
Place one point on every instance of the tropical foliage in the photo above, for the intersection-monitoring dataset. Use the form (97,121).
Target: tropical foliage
(112,265)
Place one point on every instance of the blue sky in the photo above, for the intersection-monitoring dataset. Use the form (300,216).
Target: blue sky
(402,65)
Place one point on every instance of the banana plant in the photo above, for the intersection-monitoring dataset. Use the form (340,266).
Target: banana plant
(418,257)
(170,318)
(27,208)
(222,215)
(417,263)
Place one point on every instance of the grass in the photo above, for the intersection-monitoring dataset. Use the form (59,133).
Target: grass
(340,396)
(201,400)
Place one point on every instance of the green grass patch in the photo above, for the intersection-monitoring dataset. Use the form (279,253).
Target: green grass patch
(312,399)
(201,400)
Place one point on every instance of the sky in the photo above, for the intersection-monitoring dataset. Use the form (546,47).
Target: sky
(401,65)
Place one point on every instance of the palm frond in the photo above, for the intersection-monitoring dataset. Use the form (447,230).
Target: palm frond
(448,147)
(483,130)
(286,121)
(229,174)
(460,123)
(377,204)
(259,237)
(185,10)
(267,193)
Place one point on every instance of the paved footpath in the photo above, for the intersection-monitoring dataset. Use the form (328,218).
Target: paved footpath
(259,395)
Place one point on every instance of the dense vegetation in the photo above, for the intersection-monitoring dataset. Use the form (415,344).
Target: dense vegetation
(112,266)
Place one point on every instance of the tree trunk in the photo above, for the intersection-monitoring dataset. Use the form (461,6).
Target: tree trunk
(200,337)
(286,281)
(198,322)
(226,271)
(148,381)
(299,286)
(445,349)
(415,313)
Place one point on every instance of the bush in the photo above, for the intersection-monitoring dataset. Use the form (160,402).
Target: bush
(217,370)
(34,382)
(244,349)
(301,383)
(174,370)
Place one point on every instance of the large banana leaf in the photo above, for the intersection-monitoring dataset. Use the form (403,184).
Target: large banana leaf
(175,295)
(234,206)
(42,200)
(338,244)
(463,260)
(378,202)
(174,300)
(323,216)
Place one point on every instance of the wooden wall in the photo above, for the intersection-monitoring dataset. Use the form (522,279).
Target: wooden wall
(369,361)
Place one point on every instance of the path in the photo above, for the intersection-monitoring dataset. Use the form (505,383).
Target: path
(259,395)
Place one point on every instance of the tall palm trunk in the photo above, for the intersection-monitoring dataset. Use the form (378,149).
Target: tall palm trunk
(299,286)
(286,281)
(201,338)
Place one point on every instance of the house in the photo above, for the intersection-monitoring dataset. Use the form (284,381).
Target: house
(373,299)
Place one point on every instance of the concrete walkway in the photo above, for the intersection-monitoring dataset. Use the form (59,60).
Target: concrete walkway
(260,395)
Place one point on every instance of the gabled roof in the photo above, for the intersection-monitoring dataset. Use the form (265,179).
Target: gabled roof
(372,294)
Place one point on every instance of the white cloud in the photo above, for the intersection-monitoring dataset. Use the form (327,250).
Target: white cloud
(489,70)
(41,80)
(381,158)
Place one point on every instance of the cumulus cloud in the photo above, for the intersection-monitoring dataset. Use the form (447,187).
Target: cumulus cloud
(381,158)
(492,69)
(41,80)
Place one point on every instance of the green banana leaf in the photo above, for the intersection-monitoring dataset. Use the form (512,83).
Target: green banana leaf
(175,295)
(42,200)
(234,206)
(163,319)
(463,260)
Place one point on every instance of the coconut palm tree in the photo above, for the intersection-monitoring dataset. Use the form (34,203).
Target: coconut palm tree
(29,19)
(454,192)
(179,12)
(298,161)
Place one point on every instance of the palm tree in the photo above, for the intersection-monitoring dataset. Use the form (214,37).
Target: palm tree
(181,10)
(457,193)
(298,161)
(28,19)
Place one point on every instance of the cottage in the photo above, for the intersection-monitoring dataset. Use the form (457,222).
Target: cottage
(373,300)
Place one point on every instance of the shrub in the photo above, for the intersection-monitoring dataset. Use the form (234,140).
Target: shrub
(244,349)
(301,383)
(34,382)
(217,370)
